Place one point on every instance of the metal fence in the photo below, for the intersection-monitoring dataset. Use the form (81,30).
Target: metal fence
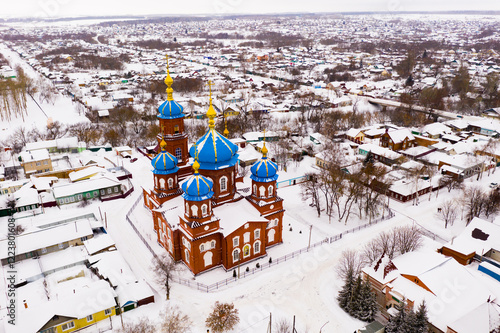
(291,182)
(272,262)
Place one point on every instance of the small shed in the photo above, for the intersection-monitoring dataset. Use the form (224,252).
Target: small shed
(374,327)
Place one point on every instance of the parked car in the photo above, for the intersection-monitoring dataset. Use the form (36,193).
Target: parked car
(133,160)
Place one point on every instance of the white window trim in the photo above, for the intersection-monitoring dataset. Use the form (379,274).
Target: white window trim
(239,255)
(249,251)
(255,247)
(223,189)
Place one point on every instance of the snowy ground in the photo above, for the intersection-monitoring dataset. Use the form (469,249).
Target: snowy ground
(304,287)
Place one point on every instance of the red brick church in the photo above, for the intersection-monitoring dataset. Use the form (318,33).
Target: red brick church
(201,218)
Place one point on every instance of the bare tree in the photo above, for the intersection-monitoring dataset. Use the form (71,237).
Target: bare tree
(451,183)
(310,189)
(408,238)
(448,212)
(283,326)
(397,241)
(473,200)
(223,317)
(143,325)
(350,261)
(165,269)
(492,204)
(174,321)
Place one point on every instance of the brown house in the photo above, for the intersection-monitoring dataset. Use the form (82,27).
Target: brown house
(400,139)
(479,239)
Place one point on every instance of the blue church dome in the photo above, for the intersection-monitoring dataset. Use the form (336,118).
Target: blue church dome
(170,109)
(164,163)
(197,187)
(264,170)
(214,151)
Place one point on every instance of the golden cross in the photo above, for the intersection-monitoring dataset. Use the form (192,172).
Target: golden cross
(210,84)
(264,135)
(195,145)
(167,57)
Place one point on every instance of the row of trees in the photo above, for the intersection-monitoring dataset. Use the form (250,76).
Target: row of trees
(357,299)
(392,243)
(407,320)
(474,202)
(13,96)
(340,190)
(224,317)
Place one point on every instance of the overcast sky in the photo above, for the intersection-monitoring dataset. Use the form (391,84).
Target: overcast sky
(61,8)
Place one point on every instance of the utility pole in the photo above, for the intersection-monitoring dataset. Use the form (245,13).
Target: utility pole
(293,330)
(310,232)
(269,328)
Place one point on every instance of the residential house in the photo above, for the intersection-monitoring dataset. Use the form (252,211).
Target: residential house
(355,135)
(399,139)
(36,161)
(67,313)
(97,187)
(449,290)
(381,154)
(480,240)
(46,240)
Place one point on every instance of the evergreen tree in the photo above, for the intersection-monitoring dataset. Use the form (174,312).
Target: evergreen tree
(396,322)
(353,304)
(422,319)
(367,303)
(409,324)
(345,293)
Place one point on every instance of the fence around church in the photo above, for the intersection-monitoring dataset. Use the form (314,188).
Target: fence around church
(217,285)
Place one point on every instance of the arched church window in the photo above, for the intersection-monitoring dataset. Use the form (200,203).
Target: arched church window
(162,183)
(255,189)
(204,210)
(246,251)
(194,210)
(262,191)
(270,190)
(176,129)
(236,255)
(223,184)
(178,153)
(170,183)
(256,247)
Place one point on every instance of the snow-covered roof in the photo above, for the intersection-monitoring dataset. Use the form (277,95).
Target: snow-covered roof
(479,236)
(35,155)
(84,173)
(229,221)
(80,304)
(39,239)
(92,184)
(399,135)
(98,243)
(381,151)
